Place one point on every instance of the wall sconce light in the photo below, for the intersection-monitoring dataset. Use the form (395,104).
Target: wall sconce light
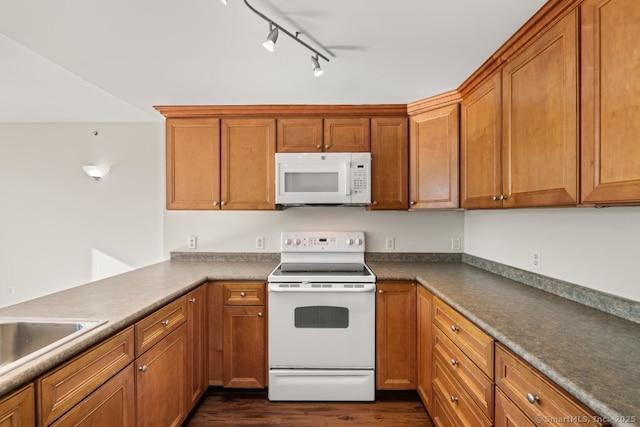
(96,172)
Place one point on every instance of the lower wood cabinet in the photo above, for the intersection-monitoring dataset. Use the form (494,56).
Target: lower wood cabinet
(113,404)
(160,382)
(396,335)
(424,347)
(244,335)
(196,345)
(18,409)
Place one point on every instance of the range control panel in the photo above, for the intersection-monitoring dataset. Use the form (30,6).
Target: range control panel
(322,241)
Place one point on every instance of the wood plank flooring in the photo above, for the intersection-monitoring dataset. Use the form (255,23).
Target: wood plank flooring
(254,409)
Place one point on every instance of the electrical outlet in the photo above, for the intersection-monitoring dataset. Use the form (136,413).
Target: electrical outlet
(455,244)
(192,242)
(390,243)
(536,260)
(260,242)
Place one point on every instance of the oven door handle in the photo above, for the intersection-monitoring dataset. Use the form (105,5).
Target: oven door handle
(367,287)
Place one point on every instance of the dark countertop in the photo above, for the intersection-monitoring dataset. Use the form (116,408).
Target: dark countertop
(591,354)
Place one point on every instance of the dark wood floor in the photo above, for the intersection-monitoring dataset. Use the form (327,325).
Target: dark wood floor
(254,409)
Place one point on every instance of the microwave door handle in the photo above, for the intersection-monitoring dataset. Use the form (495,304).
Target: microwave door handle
(347,181)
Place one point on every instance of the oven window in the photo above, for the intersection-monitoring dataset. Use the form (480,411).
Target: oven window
(311,182)
(321,316)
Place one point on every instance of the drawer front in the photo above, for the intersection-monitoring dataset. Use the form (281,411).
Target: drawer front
(475,382)
(244,293)
(534,394)
(449,392)
(158,325)
(63,388)
(476,344)
(508,414)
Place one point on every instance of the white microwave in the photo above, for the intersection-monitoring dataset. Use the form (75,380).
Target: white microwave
(323,179)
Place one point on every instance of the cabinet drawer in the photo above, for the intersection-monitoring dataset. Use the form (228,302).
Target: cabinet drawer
(521,383)
(448,391)
(243,293)
(476,344)
(475,382)
(158,325)
(63,388)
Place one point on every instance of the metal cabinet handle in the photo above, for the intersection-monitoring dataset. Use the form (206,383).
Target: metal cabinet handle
(260,314)
(454,328)
(165,322)
(495,198)
(454,399)
(375,202)
(454,362)
(192,300)
(532,398)
(380,291)
(412,202)
(223,203)
(143,368)
(319,146)
(215,203)
(243,294)
(327,146)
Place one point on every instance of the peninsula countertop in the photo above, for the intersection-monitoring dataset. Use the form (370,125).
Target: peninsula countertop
(591,354)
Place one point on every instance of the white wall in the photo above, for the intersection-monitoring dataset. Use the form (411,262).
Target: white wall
(58,227)
(236,231)
(596,248)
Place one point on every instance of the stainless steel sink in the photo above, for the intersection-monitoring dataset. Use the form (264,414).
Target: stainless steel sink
(22,340)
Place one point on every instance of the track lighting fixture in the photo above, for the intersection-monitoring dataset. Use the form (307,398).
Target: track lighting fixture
(315,66)
(270,43)
(274,30)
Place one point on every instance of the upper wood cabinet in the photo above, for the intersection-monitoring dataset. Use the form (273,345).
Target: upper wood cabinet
(433,158)
(481,146)
(247,170)
(389,163)
(351,134)
(540,120)
(193,163)
(220,164)
(610,85)
(299,135)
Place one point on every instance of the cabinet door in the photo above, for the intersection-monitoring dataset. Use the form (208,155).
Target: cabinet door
(193,163)
(396,336)
(540,139)
(196,345)
(160,382)
(433,159)
(610,94)
(390,163)
(299,135)
(480,146)
(244,349)
(425,347)
(347,135)
(248,164)
(18,409)
(113,404)
(508,414)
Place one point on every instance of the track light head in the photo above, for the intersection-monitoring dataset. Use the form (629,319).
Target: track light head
(315,66)
(270,43)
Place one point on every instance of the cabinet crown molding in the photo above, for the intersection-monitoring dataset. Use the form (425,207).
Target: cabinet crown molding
(376,110)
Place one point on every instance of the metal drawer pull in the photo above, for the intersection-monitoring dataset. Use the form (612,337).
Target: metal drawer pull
(260,314)
(454,328)
(165,322)
(143,368)
(243,294)
(454,362)
(454,399)
(192,300)
(532,399)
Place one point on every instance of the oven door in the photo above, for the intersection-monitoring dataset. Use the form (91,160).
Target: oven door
(322,326)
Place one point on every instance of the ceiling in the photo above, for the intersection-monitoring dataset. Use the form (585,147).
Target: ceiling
(113,60)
